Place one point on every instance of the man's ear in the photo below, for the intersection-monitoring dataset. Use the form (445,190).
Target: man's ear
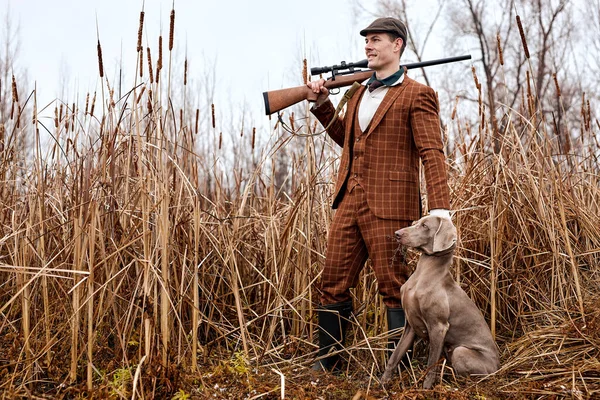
(445,236)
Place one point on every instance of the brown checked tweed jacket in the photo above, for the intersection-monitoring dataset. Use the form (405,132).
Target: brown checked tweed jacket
(405,127)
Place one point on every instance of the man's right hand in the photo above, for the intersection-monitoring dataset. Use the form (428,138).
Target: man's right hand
(318,87)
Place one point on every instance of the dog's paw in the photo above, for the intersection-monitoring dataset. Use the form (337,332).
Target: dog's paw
(429,380)
(385,378)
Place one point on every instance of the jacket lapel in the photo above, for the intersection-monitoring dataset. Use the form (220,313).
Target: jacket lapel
(387,102)
(352,109)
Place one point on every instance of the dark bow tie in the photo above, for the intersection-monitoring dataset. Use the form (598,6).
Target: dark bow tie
(374,85)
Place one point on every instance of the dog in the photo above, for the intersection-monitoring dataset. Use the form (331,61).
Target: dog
(439,310)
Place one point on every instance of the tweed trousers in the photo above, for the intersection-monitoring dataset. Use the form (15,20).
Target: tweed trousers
(355,235)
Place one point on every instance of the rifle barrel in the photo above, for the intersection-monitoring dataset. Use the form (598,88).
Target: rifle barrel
(363,64)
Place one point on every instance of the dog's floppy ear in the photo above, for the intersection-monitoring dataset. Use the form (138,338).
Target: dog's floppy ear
(445,237)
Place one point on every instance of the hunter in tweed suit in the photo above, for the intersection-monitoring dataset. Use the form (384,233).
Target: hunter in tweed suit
(384,133)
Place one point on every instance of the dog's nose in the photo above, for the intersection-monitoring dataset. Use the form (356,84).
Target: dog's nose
(399,234)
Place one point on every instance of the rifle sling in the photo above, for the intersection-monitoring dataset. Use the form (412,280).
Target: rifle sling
(347,96)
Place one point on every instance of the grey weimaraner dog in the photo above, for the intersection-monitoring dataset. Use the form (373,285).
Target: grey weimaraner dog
(438,309)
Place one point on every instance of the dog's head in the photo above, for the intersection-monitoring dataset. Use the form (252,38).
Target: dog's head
(431,234)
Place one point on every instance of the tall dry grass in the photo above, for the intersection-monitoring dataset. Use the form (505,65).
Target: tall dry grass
(128,263)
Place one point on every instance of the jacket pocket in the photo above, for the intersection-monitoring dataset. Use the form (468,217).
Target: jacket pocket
(404,176)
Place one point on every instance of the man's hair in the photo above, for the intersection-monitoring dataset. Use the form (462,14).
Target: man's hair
(393,37)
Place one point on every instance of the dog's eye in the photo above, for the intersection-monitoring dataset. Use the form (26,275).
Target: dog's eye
(424,226)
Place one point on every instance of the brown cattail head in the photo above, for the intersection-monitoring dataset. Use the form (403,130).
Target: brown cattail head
(87,102)
(56,117)
(149,101)
(181,118)
(253,137)
(556,84)
(171,29)
(220,140)
(304,72)
(589,115)
(100,64)
(140,95)
(185,66)
(93,104)
(197,117)
(139,42)
(500,53)
(73,118)
(159,62)
(141,53)
(523,40)
(150,65)
(477,84)
(454,109)
(15,93)
(212,106)
(292,122)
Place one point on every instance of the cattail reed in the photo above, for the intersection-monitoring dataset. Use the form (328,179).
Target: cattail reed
(556,84)
(212,106)
(477,84)
(100,64)
(304,72)
(56,117)
(197,118)
(139,41)
(292,122)
(159,61)
(140,95)
(60,112)
(181,118)
(500,53)
(589,115)
(141,61)
(253,137)
(73,119)
(15,93)
(185,70)
(220,140)
(454,109)
(523,40)
(87,103)
(171,29)
(150,65)
(93,104)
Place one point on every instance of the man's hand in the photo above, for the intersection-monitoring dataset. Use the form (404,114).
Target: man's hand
(318,87)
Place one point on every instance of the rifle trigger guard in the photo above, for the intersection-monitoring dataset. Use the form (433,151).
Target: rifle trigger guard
(333,92)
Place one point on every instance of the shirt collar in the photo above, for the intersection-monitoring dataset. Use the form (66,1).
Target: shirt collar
(391,80)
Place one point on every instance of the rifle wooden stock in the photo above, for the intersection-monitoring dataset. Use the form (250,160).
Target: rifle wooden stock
(277,100)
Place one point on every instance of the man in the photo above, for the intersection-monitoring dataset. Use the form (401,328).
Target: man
(386,129)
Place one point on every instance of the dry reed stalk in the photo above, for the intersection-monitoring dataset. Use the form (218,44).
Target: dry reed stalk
(197,119)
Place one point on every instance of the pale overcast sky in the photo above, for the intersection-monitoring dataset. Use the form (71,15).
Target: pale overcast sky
(254,43)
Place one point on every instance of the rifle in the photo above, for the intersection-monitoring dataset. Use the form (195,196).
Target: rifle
(344,74)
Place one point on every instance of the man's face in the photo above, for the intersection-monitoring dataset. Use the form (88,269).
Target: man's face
(381,51)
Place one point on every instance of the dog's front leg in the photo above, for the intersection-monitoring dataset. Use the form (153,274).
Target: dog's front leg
(404,344)
(437,336)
